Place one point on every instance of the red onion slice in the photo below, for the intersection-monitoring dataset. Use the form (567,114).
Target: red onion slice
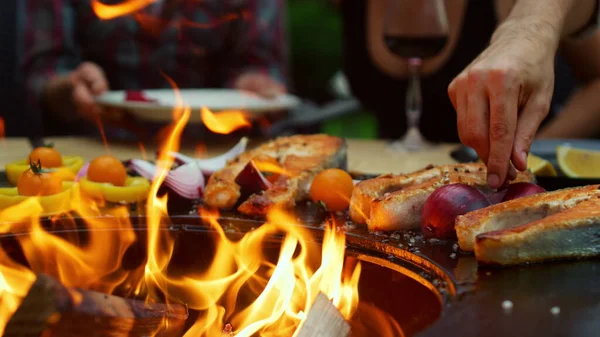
(211,165)
(82,172)
(251,181)
(186,180)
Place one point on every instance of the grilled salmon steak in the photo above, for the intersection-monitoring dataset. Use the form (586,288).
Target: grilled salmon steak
(299,157)
(518,212)
(571,233)
(393,202)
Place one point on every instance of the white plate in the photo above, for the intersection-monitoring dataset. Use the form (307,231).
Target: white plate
(214,99)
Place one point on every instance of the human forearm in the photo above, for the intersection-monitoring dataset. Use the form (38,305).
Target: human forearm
(548,20)
(580,117)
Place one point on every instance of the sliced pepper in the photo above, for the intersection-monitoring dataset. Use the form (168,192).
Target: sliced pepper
(135,189)
(51,204)
(69,170)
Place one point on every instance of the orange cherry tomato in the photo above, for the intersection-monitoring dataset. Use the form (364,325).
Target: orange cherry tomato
(33,183)
(49,157)
(334,188)
(107,169)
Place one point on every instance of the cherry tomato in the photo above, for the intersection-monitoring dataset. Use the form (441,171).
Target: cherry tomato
(49,157)
(334,188)
(107,169)
(32,183)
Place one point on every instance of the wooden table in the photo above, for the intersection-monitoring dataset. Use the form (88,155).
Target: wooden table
(366,156)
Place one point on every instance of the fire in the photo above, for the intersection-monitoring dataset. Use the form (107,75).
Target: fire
(243,285)
(282,299)
(200,150)
(270,165)
(224,122)
(107,12)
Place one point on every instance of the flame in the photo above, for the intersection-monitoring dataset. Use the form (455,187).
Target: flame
(224,122)
(283,291)
(258,294)
(107,12)
(269,164)
(200,150)
(156,25)
(100,126)
(143,151)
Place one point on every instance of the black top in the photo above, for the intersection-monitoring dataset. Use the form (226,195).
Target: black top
(385,96)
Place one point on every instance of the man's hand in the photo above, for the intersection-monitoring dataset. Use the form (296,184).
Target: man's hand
(76,91)
(502,96)
(261,84)
(87,81)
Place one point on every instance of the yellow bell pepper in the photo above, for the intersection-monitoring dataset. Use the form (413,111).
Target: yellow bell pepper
(135,189)
(69,170)
(51,204)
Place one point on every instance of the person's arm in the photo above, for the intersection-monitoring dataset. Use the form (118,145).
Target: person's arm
(261,48)
(580,117)
(570,17)
(502,97)
(47,53)
(55,79)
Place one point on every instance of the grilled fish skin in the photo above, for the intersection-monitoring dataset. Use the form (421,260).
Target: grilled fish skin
(301,157)
(518,212)
(571,233)
(369,190)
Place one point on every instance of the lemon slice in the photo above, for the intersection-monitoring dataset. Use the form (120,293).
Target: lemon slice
(578,163)
(540,167)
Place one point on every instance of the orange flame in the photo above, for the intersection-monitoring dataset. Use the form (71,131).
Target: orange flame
(200,150)
(280,290)
(100,126)
(107,12)
(224,122)
(143,151)
(269,164)
(155,25)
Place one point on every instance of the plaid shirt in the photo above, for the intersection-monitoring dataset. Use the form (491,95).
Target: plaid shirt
(198,43)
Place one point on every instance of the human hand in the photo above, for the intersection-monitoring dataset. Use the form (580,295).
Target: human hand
(87,81)
(261,84)
(502,97)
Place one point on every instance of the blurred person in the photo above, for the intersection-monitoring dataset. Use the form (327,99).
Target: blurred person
(68,55)
(491,85)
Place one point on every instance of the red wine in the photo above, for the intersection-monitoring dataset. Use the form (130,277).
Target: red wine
(416,47)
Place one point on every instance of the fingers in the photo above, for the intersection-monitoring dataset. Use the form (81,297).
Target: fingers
(529,121)
(88,81)
(260,84)
(503,124)
(477,121)
(471,104)
(93,77)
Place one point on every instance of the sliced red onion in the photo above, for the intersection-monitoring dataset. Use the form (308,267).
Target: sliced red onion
(82,172)
(186,180)
(211,165)
(251,181)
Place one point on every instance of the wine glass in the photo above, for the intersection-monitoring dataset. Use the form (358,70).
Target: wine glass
(415,30)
